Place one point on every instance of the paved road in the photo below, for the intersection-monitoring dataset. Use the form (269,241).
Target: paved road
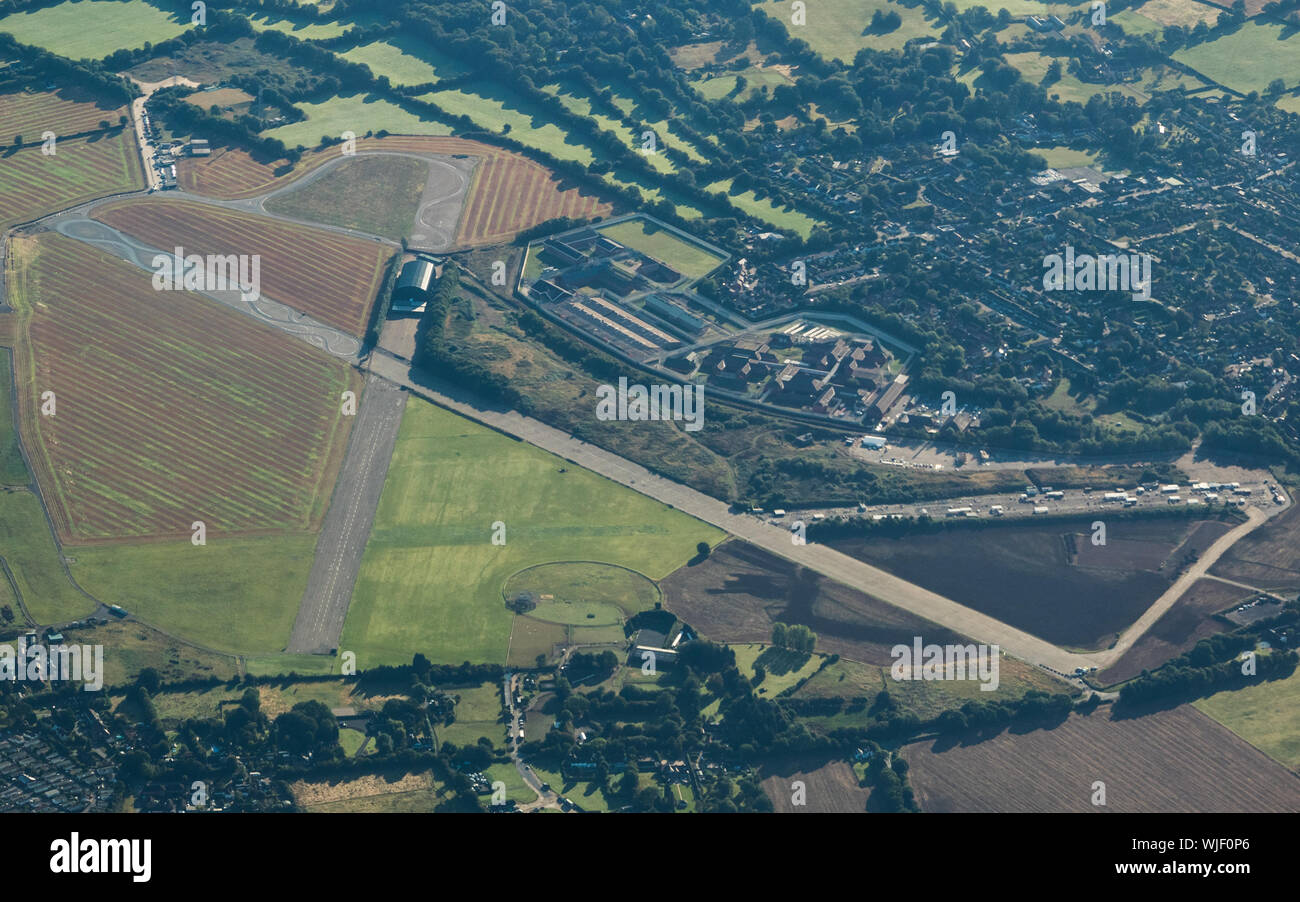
(347,524)
(777,539)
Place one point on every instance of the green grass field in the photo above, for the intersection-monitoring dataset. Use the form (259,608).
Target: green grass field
(1058,157)
(835,28)
(1266,715)
(1248,58)
(783,668)
(582,593)
(357,113)
(783,217)
(231,595)
(497,108)
(405,62)
(27,546)
(12,469)
(375,194)
(92,29)
(431,579)
(131,647)
(303,29)
(665,246)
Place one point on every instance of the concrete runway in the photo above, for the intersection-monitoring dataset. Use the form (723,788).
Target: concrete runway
(346,528)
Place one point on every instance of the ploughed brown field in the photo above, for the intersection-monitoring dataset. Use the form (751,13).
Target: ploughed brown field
(171,408)
(1268,558)
(331,277)
(1048,578)
(67,111)
(1190,620)
(1171,761)
(829,786)
(509,192)
(740,591)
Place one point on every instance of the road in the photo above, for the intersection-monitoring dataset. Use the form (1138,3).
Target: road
(343,536)
(548,799)
(777,539)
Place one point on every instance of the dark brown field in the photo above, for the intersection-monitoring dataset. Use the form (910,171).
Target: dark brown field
(1173,761)
(830,787)
(737,594)
(1186,623)
(1268,558)
(1047,579)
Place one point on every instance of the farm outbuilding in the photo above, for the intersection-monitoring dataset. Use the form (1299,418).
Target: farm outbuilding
(414,284)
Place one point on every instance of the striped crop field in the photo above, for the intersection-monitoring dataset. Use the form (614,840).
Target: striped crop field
(512,193)
(170,407)
(509,192)
(231,173)
(329,276)
(33,184)
(64,112)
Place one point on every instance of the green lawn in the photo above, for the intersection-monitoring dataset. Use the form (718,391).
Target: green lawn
(1248,58)
(1266,715)
(375,194)
(27,546)
(431,579)
(1059,157)
(782,668)
(405,62)
(665,246)
(357,113)
(496,108)
(302,29)
(231,595)
(92,29)
(835,28)
(12,469)
(783,217)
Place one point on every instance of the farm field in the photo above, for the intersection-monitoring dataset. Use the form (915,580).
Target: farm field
(740,591)
(405,62)
(830,787)
(511,193)
(665,246)
(1268,558)
(838,29)
(925,699)
(331,277)
(392,791)
(431,579)
(1179,12)
(33,185)
(357,113)
(65,111)
(1172,761)
(92,29)
(1182,626)
(1248,58)
(478,714)
(236,595)
(32,557)
(1047,579)
(377,195)
(1266,715)
(158,425)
